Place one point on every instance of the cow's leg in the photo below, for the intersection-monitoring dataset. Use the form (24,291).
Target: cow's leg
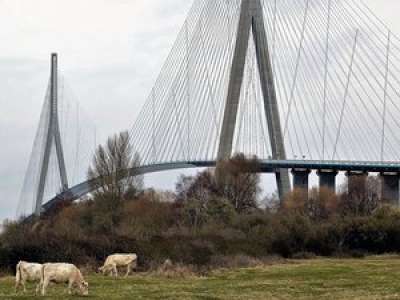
(38,288)
(23,285)
(17,284)
(107,271)
(128,269)
(45,284)
(115,270)
(70,285)
(110,271)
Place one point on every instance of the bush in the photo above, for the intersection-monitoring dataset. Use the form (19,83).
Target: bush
(304,255)
(204,227)
(292,234)
(235,261)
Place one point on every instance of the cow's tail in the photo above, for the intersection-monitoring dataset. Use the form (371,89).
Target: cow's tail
(18,273)
(135,261)
(42,274)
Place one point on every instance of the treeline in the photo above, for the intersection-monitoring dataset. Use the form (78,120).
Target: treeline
(211,215)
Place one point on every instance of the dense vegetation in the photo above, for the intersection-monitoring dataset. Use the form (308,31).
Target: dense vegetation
(210,216)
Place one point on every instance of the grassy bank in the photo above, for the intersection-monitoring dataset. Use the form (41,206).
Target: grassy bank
(370,278)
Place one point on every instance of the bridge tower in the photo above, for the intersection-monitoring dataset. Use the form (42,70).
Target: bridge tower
(53,138)
(251,18)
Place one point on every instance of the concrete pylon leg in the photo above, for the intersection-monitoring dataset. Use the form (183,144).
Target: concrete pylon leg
(53,136)
(283,183)
(327,179)
(390,188)
(235,83)
(300,179)
(251,18)
(56,125)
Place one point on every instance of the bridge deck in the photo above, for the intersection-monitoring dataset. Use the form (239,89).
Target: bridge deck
(266,166)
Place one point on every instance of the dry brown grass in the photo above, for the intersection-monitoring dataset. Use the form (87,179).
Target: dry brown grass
(169,269)
(243,261)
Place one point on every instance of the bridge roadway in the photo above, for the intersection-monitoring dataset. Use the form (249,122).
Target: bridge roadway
(266,166)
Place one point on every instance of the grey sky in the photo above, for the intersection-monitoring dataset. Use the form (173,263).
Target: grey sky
(110,54)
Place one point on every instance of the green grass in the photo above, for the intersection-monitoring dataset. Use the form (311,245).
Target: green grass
(370,278)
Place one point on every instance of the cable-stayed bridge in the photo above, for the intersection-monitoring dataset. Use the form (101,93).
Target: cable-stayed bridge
(63,147)
(302,84)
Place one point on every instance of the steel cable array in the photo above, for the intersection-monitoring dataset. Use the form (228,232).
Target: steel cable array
(336,75)
(78,136)
(336,70)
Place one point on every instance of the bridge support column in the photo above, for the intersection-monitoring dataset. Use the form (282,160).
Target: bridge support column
(300,179)
(53,139)
(327,179)
(390,188)
(252,18)
(357,181)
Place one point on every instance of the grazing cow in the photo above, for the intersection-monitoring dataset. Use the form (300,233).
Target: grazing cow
(119,260)
(27,272)
(63,273)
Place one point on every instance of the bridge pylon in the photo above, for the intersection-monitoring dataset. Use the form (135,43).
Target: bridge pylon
(53,138)
(251,18)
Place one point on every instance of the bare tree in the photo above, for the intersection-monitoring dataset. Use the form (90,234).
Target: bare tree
(201,187)
(295,201)
(111,167)
(361,197)
(318,204)
(238,180)
(322,203)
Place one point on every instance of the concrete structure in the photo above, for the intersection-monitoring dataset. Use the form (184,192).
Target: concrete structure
(327,179)
(266,166)
(390,188)
(251,18)
(300,178)
(53,137)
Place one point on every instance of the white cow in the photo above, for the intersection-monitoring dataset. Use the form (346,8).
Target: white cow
(27,272)
(119,260)
(63,273)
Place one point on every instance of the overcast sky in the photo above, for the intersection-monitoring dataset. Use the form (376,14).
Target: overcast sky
(110,54)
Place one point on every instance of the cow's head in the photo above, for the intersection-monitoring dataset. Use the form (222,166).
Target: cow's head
(84,288)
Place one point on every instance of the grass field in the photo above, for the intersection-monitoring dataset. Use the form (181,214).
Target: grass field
(370,278)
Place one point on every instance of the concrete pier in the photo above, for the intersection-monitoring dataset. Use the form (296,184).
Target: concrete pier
(300,178)
(390,188)
(327,179)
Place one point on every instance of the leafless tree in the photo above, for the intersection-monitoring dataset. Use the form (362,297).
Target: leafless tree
(318,204)
(362,196)
(322,203)
(238,180)
(111,167)
(201,187)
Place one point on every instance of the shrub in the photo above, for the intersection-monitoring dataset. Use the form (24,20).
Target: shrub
(292,234)
(304,255)
(206,226)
